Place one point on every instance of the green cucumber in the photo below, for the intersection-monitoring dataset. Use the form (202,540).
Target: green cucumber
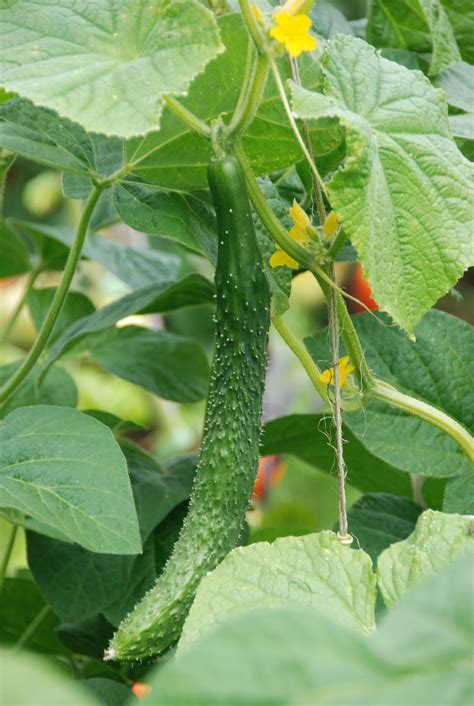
(230,448)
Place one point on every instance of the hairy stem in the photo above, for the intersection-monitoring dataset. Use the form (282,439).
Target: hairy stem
(20,304)
(302,354)
(386,393)
(58,301)
(188,118)
(245,112)
(253,27)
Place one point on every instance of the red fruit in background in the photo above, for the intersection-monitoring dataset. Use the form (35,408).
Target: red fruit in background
(271,470)
(359,288)
(141,690)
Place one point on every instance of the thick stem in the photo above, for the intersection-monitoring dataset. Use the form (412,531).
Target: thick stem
(21,302)
(386,393)
(245,113)
(7,554)
(188,118)
(253,27)
(303,356)
(59,298)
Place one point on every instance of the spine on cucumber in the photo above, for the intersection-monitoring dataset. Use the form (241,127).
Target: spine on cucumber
(229,454)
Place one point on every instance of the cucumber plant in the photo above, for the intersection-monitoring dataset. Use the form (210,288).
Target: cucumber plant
(253,141)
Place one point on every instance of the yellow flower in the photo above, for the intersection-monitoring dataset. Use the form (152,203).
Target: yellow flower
(281,258)
(298,233)
(293,32)
(257,13)
(330,225)
(345,369)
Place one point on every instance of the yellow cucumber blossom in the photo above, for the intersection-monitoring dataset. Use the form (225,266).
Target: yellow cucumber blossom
(345,369)
(293,32)
(330,225)
(299,232)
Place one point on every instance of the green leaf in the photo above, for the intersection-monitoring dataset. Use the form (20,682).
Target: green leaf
(76,306)
(436,540)
(315,570)
(459,494)
(461,16)
(303,436)
(404,179)
(57,389)
(43,136)
(419,656)
(136,267)
(420,25)
(65,469)
(462,126)
(88,637)
(185,218)
(377,520)
(14,256)
(170,366)
(21,603)
(99,72)
(28,680)
(111,583)
(157,298)
(457,83)
(328,20)
(434,369)
(108,692)
(177,158)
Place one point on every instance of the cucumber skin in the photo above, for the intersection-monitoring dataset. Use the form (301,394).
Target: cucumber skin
(230,448)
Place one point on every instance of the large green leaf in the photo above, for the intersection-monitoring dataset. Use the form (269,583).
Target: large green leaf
(419,25)
(42,135)
(419,656)
(57,388)
(97,67)
(436,540)
(186,218)
(136,267)
(45,683)
(315,570)
(170,366)
(303,436)
(435,368)
(457,83)
(404,179)
(65,469)
(459,494)
(377,520)
(109,582)
(163,296)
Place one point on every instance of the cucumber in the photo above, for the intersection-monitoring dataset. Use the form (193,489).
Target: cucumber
(230,448)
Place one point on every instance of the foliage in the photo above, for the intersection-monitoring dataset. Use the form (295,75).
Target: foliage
(369,120)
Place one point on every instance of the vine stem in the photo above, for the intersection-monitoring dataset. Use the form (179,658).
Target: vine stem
(58,301)
(187,117)
(8,553)
(302,354)
(32,628)
(21,302)
(248,103)
(386,393)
